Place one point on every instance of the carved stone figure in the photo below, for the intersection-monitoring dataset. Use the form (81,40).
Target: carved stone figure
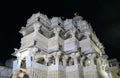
(101,65)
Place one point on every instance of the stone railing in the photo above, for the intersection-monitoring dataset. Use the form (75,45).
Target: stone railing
(72,72)
(39,66)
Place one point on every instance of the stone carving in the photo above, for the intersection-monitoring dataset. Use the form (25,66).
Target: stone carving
(86,62)
(76,19)
(60,48)
(44,19)
(82,26)
(101,65)
(80,23)
(33,18)
(36,26)
(38,16)
(68,24)
(56,21)
(56,30)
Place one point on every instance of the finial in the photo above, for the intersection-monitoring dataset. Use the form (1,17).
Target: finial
(76,14)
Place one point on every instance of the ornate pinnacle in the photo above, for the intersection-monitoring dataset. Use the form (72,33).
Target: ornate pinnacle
(76,14)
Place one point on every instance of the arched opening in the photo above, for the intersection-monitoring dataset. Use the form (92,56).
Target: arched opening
(82,37)
(23,64)
(41,60)
(86,62)
(70,61)
(51,60)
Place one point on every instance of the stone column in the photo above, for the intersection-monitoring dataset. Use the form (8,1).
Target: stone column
(19,59)
(78,57)
(33,51)
(57,57)
(50,59)
(57,60)
(82,59)
(65,57)
(73,55)
(91,57)
(19,63)
(46,59)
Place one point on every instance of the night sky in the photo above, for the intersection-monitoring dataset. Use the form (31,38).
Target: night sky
(104,16)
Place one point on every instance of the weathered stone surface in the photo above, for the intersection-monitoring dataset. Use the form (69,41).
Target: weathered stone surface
(60,49)
(5,72)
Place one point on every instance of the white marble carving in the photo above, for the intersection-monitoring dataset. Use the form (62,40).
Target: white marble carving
(56,48)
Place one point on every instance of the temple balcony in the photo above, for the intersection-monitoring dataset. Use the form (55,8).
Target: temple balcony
(46,44)
(70,45)
(27,41)
(87,46)
(46,41)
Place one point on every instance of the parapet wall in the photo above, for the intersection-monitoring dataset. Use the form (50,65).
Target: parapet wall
(5,72)
(55,71)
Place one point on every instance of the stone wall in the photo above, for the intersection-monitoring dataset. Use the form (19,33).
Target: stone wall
(37,71)
(56,71)
(74,72)
(90,72)
(5,72)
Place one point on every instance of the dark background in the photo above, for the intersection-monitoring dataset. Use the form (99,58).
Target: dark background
(104,16)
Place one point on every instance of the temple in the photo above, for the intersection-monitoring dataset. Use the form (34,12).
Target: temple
(60,48)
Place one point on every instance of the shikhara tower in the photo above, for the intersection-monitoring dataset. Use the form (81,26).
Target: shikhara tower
(56,48)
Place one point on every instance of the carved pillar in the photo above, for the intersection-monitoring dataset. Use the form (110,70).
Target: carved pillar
(19,63)
(57,57)
(82,60)
(73,55)
(46,60)
(57,60)
(87,62)
(78,57)
(65,57)
(50,59)
(33,51)
(91,57)
(19,59)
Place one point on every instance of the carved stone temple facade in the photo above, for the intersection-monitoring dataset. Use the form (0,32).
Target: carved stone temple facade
(60,48)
